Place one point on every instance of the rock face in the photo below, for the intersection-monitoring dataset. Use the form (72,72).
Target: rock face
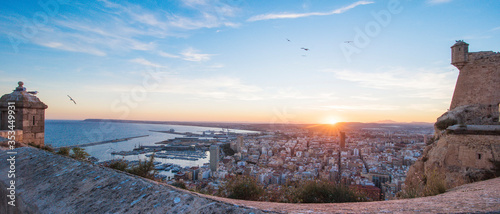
(467,137)
(50,183)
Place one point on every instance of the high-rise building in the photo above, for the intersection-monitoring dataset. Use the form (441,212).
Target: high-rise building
(214,157)
(342,140)
(239,143)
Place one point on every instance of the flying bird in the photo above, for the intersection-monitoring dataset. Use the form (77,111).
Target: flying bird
(72,99)
(288,40)
(306,49)
(348,42)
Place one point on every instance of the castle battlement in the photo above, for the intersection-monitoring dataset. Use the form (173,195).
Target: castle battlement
(479,77)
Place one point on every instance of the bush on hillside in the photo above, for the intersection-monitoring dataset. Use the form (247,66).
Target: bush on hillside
(63,151)
(144,169)
(327,192)
(79,153)
(242,187)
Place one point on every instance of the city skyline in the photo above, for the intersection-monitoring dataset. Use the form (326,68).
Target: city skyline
(239,61)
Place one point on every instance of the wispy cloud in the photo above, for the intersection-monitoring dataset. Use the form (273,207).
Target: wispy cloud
(193,55)
(438,1)
(189,54)
(301,15)
(168,55)
(110,27)
(428,83)
(495,29)
(360,107)
(145,62)
(364,97)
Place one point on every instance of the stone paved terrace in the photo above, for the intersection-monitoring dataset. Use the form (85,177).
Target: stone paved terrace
(49,183)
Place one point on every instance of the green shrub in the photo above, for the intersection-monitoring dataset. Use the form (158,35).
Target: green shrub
(145,168)
(432,183)
(179,184)
(79,153)
(485,174)
(435,183)
(413,187)
(242,187)
(326,192)
(63,151)
(34,145)
(117,164)
(48,148)
(496,168)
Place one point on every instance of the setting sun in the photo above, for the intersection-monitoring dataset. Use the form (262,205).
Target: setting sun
(331,121)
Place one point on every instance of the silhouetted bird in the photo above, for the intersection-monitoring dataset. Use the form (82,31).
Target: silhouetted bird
(348,42)
(288,40)
(72,99)
(306,49)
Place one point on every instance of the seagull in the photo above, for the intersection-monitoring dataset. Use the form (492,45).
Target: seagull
(348,42)
(288,40)
(306,49)
(72,99)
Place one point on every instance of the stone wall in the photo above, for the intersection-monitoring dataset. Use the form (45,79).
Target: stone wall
(49,183)
(33,125)
(478,81)
(18,134)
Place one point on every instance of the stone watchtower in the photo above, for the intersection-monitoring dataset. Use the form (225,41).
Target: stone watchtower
(29,115)
(459,54)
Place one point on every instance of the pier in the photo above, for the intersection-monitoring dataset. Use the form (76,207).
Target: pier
(103,142)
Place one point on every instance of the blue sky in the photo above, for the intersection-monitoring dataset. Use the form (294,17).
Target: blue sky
(235,60)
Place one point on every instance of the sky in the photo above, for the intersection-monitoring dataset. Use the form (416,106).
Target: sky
(293,61)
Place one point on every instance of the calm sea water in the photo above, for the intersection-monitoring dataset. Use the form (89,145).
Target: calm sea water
(60,133)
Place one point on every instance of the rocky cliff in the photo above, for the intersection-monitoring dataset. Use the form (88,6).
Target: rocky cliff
(465,147)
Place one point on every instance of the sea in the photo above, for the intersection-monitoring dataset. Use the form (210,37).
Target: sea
(60,133)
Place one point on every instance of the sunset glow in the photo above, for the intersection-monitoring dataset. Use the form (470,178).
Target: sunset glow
(245,61)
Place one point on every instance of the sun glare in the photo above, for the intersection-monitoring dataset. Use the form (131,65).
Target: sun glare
(332,121)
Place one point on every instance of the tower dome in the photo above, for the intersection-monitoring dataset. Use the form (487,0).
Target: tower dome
(29,114)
